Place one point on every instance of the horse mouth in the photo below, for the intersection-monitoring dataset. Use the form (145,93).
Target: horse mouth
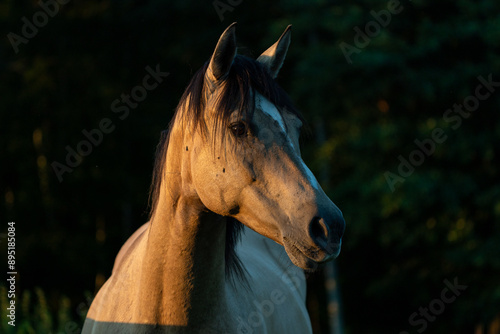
(309,259)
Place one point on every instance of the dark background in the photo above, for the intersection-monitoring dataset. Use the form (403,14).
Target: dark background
(439,222)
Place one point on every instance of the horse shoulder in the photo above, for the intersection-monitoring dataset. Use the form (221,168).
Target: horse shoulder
(128,246)
(117,289)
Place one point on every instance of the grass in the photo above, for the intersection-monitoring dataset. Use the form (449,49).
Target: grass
(34,315)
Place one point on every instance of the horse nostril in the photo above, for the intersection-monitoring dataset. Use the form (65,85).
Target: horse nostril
(318,229)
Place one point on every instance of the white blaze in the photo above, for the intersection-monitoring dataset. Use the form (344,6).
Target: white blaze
(310,176)
(270,109)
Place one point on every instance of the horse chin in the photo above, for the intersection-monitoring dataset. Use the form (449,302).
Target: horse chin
(301,260)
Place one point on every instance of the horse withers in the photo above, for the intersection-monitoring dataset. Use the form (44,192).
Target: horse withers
(237,217)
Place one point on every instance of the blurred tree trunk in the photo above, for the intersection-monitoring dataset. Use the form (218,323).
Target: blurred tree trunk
(335,323)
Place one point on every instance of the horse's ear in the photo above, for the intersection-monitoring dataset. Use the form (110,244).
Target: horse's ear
(274,57)
(223,55)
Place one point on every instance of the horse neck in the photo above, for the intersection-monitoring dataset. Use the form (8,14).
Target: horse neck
(182,278)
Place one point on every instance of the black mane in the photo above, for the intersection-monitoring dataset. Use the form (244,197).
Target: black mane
(244,76)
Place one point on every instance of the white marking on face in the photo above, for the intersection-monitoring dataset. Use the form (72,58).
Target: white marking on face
(270,109)
(310,176)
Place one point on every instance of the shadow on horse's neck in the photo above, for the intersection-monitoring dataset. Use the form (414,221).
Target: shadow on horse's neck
(183,271)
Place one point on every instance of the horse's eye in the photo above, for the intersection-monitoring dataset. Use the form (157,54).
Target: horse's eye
(238,129)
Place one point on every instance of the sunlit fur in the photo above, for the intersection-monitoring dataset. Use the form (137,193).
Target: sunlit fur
(245,77)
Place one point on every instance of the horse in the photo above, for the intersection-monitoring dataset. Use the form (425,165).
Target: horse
(237,217)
